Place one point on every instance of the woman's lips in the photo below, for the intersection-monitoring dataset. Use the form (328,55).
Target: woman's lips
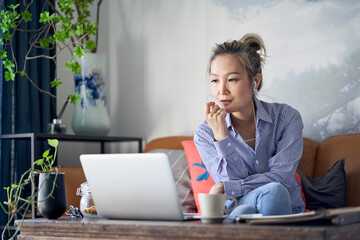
(225,102)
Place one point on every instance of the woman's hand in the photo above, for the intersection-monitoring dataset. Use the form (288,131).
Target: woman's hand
(215,117)
(217,188)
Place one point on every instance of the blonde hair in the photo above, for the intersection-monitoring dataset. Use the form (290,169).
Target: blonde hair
(249,50)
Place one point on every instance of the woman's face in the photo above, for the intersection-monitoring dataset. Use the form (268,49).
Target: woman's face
(230,83)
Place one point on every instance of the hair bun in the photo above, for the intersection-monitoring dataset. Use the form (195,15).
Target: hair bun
(254,41)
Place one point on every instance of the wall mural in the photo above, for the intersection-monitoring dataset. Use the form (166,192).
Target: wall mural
(314,61)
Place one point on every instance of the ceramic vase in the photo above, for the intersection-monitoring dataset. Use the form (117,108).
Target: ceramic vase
(54,206)
(91,115)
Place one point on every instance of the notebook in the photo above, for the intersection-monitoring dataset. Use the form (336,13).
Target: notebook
(336,216)
(133,186)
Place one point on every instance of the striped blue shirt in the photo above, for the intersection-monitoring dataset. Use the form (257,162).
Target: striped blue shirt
(278,149)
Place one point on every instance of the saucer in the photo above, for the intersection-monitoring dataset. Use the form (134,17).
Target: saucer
(211,219)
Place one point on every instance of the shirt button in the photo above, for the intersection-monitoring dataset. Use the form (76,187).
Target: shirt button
(229,144)
(257,162)
(232,192)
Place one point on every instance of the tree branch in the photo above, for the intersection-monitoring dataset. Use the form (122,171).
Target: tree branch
(53,7)
(38,88)
(97,29)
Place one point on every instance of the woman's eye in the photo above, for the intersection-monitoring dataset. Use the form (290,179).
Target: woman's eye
(213,81)
(232,79)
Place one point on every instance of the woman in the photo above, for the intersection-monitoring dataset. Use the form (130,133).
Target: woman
(251,148)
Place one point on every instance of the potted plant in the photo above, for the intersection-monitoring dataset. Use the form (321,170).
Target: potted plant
(50,190)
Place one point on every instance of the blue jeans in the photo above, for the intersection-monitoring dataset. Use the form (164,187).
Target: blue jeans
(270,199)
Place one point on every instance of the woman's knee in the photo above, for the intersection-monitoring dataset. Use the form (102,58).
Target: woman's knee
(277,189)
(275,200)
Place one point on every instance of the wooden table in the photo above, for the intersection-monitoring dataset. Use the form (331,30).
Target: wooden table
(65,229)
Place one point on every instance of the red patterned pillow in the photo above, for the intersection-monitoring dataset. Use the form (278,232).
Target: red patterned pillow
(201,180)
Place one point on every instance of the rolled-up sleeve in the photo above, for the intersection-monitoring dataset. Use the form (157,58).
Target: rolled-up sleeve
(218,155)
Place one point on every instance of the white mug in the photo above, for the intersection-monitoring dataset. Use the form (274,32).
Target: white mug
(213,205)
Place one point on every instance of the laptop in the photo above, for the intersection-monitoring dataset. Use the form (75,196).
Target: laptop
(133,186)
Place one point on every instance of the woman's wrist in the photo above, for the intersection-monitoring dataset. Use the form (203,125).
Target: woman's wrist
(219,137)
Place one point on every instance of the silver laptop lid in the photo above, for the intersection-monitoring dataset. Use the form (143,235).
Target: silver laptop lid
(132,186)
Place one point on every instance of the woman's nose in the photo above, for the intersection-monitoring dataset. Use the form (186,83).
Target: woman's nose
(223,89)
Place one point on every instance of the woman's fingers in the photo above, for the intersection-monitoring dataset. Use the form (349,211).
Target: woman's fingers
(212,109)
(215,110)
(215,117)
(209,107)
(217,188)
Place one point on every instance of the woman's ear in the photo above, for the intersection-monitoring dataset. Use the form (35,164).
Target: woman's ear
(257,81)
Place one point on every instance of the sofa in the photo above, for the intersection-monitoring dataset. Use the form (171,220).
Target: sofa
(317,159)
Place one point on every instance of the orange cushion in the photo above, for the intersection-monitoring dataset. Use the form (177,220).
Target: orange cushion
(201,180)
(74,176)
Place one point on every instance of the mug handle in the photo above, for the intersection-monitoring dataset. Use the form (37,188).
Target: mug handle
(235,204)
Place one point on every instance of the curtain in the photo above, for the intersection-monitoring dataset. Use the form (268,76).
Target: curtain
(24,109)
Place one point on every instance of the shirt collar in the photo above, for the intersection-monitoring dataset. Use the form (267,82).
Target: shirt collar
(228,120)
(260,110)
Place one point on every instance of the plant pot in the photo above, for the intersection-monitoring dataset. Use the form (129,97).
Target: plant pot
(54,206)
(91,115)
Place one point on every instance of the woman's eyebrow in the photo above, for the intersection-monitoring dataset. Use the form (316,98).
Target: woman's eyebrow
(233,73)
(229,73)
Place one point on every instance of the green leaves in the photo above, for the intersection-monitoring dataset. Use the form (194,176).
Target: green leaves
(56,83)
(59,35)
(8,64)
(90,44)
(14,7)
(45,42)
(27,16)
(64,5)
(75,67)
(9,73)
(3,54)
(79,52)
(9,18)
(91,29)
(53,142)
(39,162)
(79,30)
(47,160)
(45,17)
(7,36)
(4,27)
(74,98)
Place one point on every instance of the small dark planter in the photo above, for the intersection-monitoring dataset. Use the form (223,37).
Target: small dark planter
(55,205)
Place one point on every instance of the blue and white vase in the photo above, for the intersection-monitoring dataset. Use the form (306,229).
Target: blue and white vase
(91,116)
